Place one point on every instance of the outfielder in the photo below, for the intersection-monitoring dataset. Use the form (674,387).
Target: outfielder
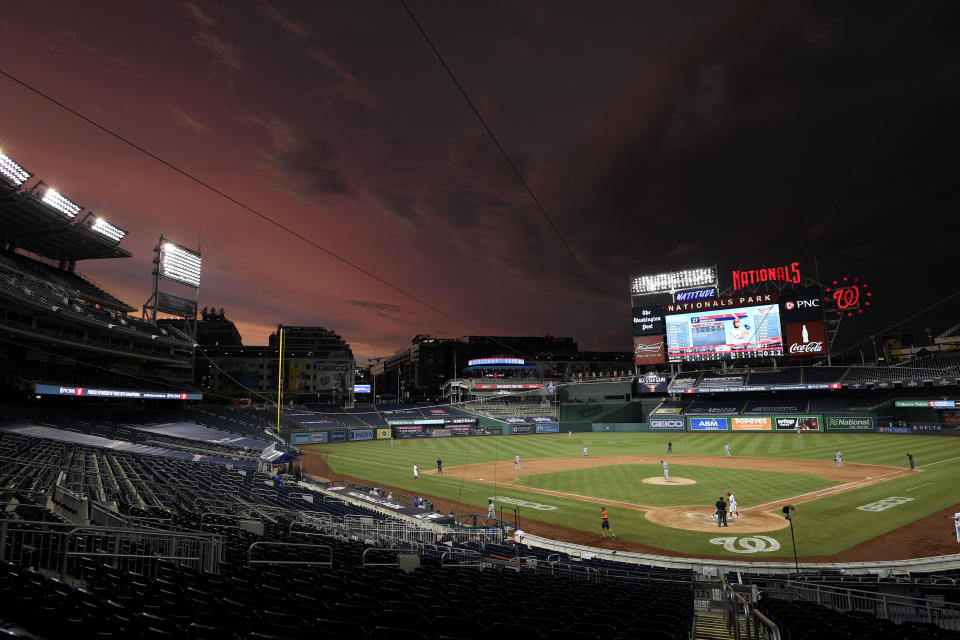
(726,448)
(586,452)
(416,472)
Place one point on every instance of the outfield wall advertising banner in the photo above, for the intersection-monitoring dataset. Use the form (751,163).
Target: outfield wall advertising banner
(926,427)
(384,434)
(522,428)
(409,431)
(891,429)
(361,434)
(338,436)
(794,423)
(548,428)
(708,424)
(667,424)
(851,422)
(314,437)
(751,424)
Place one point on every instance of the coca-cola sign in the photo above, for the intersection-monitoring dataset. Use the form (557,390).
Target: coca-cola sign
(806,339)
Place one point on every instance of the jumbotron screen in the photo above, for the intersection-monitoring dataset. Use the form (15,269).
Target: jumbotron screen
(725,334)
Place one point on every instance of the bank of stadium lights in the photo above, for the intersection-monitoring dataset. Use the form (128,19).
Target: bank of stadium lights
(64,205)
(179,264)
(104,228)
(674,281)
(13,172)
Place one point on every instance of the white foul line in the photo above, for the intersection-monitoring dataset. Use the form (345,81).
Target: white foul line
(918,486)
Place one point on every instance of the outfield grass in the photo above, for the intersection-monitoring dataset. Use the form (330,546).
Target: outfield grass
(825,526)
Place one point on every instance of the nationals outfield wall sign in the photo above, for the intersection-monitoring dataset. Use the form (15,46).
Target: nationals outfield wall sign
(649,349)
(806,339)
(782,273)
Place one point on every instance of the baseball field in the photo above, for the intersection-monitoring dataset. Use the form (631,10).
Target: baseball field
(871,508)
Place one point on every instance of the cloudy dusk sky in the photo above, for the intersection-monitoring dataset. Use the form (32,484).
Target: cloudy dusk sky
(656,135)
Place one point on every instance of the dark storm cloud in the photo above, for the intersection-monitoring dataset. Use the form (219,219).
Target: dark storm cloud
(386,311)
(299,163)
(294,29)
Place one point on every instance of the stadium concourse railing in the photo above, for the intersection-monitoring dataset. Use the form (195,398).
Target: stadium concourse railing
(55,546)
(898,608)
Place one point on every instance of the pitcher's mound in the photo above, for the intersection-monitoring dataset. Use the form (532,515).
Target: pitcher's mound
(670,482)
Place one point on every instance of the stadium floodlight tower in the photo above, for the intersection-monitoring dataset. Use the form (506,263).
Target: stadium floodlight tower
(12,172)
(673,281)
(178,264)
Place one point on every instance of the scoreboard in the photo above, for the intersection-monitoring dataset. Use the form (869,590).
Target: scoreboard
(725,334)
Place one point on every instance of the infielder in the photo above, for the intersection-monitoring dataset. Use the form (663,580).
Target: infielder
(733,505)
(586,452)
(516,462)
(839,458)
(666,471)
(726,448)
(440,466)
(416,472)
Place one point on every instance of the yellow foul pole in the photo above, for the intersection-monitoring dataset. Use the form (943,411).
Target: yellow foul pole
(280,382)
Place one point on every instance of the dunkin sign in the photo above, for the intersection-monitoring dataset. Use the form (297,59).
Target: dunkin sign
(805,339)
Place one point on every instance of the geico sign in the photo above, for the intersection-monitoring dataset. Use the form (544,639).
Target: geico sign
(886,503)
(524,503)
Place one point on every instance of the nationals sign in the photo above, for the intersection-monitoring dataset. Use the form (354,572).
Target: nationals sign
(781,273)
(805,339)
